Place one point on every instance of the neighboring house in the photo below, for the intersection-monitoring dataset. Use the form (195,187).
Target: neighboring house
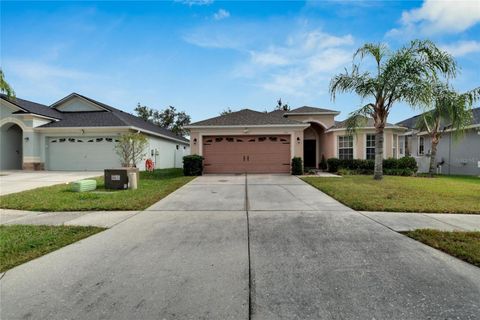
(265,142)
(459,155)
(77,133)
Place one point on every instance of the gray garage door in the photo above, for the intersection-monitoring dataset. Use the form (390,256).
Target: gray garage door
(81,153)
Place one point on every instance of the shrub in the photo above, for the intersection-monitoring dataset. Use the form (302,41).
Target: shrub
(390,163)
(297,166)
(333,164)
(323,163)
(406,166)
(193,165)
(408,163)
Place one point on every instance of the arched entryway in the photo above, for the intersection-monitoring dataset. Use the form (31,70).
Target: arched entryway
(11,153)
(313,137)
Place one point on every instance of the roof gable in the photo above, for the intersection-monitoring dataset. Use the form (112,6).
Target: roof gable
(76,103)
(26,106)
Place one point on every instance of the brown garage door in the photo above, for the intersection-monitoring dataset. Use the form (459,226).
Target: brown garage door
(251,154)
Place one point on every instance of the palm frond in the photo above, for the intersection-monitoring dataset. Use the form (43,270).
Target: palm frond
(359,118)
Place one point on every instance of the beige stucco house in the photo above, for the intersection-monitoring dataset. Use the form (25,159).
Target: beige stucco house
(265,142)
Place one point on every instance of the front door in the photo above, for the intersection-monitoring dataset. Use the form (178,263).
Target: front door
(310,153)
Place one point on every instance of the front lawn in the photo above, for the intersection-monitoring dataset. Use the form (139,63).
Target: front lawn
(444,194)
(19,244)
(152,187)
(463,245)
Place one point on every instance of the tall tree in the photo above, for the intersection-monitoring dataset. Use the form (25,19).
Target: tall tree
(450,111)
(168,118)
(281,106)
(403,75)
(5,87)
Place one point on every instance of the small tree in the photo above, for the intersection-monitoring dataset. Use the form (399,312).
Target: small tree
(226,111)
(451,111)
(131,148)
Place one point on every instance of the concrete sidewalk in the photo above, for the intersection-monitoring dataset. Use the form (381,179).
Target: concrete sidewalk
(104,219)
(407,221)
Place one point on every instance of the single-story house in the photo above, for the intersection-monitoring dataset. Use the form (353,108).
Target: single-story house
(77,133)
(265,142)
(455,155)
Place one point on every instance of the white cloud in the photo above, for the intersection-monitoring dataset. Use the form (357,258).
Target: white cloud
(435,17)
(301,64)
(195,2)
(221,14)
(462,48)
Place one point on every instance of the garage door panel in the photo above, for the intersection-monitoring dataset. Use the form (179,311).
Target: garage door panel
(82,153)
(255,154)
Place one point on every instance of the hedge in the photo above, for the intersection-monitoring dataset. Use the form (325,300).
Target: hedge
(405,166)
(193,165)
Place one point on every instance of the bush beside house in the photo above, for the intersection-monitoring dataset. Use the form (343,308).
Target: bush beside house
(406,166)
(193,165)
(297,166)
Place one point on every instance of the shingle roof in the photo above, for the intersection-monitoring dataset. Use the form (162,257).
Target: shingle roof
(32,107)
(247,117)
(369,124)
(86,119)
(113,117)
(307,109)
(411,123)
(134,121)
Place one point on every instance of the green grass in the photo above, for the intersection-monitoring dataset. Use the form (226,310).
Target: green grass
(444,194)
(152,187)
(463,245)
(19,244)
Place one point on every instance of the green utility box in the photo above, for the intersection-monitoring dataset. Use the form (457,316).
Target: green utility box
(83,185)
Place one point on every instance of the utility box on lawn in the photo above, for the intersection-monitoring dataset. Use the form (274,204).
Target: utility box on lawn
(116,179)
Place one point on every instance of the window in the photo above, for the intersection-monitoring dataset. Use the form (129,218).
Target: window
(61,140)
(251,140)
(370,147)
(394,153)
(230,139)
(218,139)
(109,139)
(239,140)
(273,139)
(261,139)
(71,140)
(99,139)
(421,146)
(345,147)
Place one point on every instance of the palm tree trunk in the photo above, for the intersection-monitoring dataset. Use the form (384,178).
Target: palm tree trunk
(433,156)
(378,171)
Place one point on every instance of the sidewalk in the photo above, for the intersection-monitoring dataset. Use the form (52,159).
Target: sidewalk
(407,221)
(105,219)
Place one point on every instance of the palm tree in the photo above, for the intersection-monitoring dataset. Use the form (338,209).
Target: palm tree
(451,112)
(399,76)
(5,87)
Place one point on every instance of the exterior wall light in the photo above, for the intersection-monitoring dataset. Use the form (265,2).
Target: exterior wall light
(27,138)
(195,141)
(298,139)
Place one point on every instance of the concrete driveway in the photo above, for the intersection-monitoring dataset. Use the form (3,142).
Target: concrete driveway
(18,180)
(236,247)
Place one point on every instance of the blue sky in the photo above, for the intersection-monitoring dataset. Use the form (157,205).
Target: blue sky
(204,56)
